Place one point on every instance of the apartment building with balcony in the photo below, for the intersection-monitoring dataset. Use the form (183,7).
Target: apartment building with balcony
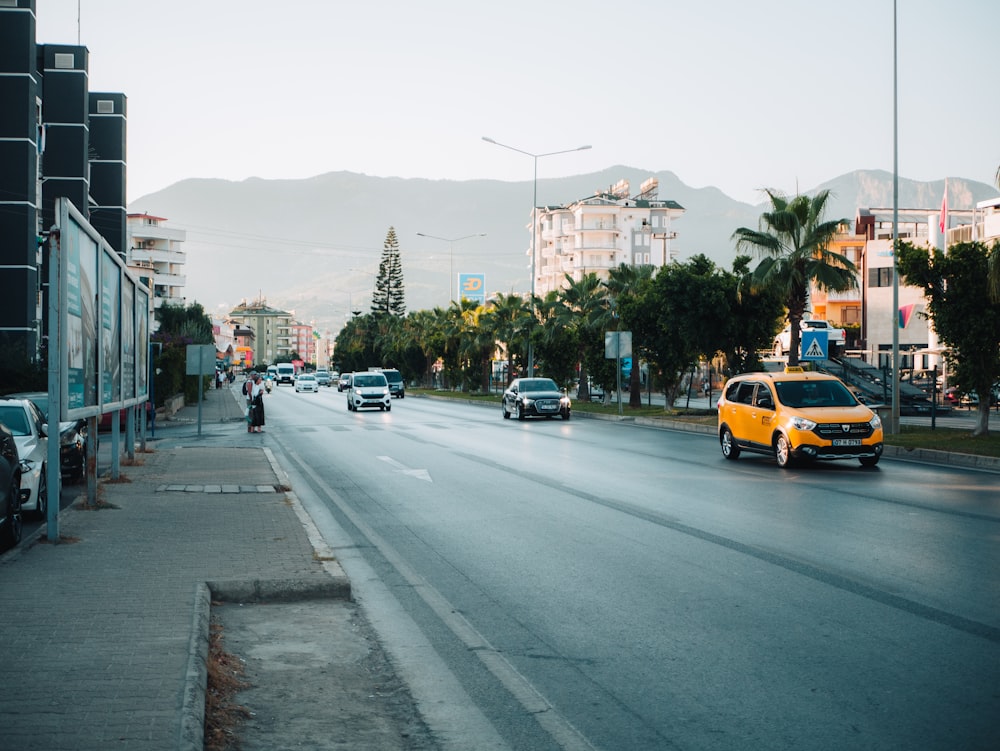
(271,329)
(304,342)
(600,232)
(156,254)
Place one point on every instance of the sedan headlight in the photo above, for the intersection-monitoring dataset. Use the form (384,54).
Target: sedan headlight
(801,423)
(71,438)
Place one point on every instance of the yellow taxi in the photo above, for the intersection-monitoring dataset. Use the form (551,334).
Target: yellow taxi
(797,415)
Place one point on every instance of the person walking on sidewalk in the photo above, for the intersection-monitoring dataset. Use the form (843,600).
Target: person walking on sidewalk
(256,405)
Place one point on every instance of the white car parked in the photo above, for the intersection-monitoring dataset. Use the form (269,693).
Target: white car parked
(25,422)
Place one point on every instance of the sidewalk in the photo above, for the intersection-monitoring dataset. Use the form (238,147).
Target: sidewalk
(105,635)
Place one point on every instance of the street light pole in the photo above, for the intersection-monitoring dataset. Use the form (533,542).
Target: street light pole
(451,255)
(534,209)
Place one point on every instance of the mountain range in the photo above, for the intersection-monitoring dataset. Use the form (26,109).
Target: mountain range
(313,246)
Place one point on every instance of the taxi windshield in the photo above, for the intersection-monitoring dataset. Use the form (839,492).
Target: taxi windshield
(814,394)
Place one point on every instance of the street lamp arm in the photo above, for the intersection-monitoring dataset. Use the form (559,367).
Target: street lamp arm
(452,239)
(534,156)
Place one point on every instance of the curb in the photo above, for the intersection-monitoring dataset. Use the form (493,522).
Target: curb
(336,587)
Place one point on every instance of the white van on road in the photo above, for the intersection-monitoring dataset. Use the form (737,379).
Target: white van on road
(286,373)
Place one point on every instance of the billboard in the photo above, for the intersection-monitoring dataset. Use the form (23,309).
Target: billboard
(472,287)
(100,329)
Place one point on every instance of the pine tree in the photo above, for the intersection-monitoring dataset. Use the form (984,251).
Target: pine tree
(388,297)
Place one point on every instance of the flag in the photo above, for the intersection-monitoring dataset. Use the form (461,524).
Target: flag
(905,314)
(943,221)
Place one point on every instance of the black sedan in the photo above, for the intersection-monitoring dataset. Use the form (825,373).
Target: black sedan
(534,397)
(11,524)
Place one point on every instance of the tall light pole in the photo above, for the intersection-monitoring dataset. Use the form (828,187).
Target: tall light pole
(451,255)
(534,209)
(894,418)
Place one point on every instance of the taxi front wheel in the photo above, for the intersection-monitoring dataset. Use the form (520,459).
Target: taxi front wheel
(782,451)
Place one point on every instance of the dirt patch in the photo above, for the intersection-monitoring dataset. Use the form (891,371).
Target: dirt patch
(223,715)
(314,677)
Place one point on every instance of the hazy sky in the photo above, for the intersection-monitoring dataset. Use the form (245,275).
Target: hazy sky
(732,93)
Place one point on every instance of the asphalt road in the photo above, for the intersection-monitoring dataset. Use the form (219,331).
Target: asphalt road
(588,584)
(596,585)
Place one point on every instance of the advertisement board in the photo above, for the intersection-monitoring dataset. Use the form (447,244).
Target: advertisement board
(101,321)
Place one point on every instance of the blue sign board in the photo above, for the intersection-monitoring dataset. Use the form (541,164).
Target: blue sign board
(815,345)
(472,287)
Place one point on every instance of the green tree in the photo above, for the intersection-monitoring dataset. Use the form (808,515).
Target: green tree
(626,284)
(752,320)
(179,326)
(994,264)
(584,310)
(507,321)
(694,303)
(792,241)
(355,348)
(557,345)
(965,318)
(388,297)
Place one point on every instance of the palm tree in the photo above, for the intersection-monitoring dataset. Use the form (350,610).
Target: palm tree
(994,262)
(625,284)
(507,322)
(792,242)
(585,308)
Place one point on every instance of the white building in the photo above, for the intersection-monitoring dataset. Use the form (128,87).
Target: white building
(155,252)
(918,342)
(601,232)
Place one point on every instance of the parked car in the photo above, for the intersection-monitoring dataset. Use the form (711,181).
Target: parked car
(306,382)
(534,397)
(72,436)
(797,415)
(396,386)
(836,339)
(369,390)
(11,526)
(345,381)
(27,425)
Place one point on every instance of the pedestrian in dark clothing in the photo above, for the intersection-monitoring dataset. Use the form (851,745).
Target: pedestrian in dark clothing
(256,404)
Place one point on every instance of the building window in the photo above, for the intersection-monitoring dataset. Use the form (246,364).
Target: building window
(850,314)
(880,277)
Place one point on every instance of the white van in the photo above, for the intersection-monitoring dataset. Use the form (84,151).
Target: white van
(286,373)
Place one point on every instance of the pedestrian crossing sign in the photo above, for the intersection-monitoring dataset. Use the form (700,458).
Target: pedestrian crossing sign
(815,345)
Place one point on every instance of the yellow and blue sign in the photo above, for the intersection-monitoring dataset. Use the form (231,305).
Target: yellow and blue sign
(472,287)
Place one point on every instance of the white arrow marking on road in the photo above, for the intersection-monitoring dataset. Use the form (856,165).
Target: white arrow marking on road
(420,474)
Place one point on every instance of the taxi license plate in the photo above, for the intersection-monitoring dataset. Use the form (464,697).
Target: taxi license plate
(846,441)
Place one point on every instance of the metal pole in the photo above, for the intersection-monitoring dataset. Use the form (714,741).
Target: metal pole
(534,208)
(201,382)
(57,351)
(531,323)
(894,420)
